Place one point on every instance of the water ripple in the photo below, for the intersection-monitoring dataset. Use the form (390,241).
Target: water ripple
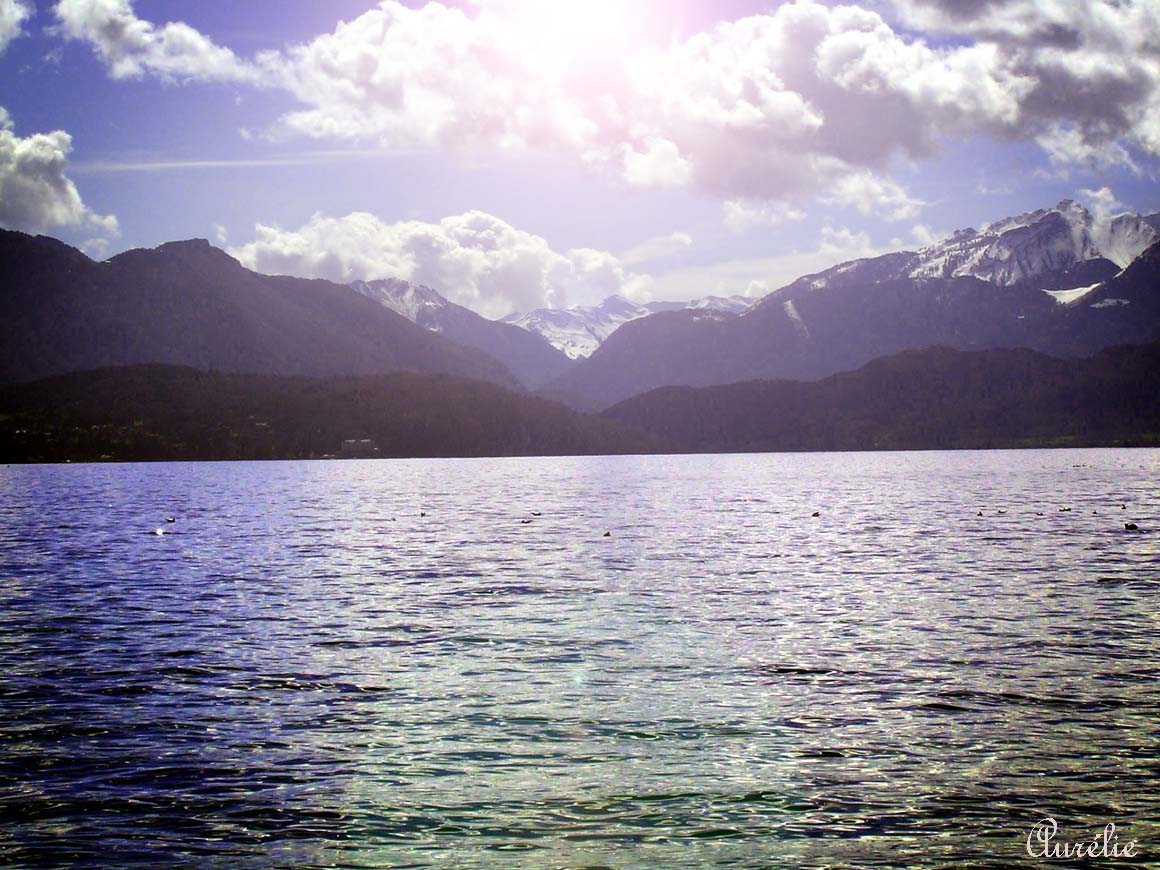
(371,664)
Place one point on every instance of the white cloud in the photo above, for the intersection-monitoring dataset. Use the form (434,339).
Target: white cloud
(872,194)
(132,47)
(659,165)
(658,248)
(1092,68)
(806,99)
(1102,203)
(432,76)
(791,103)
(742,215)
(1067,146)
(841,243)
(474,259)
(13,14)
(35,190)
(923,236)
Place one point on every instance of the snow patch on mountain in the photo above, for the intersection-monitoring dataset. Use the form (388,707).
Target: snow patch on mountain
(1020,248)
(795,318)
(1067,297)
(1110,303)
(421,305)
(579,330)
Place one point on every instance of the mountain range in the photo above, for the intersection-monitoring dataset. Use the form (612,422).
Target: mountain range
(1056,280)
(187,303)
(1059,281)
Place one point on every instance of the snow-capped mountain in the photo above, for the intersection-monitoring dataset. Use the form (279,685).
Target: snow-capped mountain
(1022,248)
(419,304)
(527,356)
(1061,280)
(579,330)
(1060,248)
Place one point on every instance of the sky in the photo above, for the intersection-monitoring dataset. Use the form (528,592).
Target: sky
(516,154)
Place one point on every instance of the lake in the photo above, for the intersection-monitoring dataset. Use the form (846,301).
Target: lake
(385,664)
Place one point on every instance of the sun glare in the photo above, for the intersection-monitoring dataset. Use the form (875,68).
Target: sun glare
(557,34)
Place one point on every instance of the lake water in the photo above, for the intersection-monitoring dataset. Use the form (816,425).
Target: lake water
(303,670)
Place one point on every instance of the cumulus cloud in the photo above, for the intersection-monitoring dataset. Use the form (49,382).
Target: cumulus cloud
(432,76)
(13,14)
(35,190)
(807,99)
(474,259)
(1092,70)
(132,47)
(659,165)
(798,101)
(1067,146)
(872,194)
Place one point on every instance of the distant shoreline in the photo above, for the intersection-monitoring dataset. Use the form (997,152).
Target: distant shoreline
(935,399)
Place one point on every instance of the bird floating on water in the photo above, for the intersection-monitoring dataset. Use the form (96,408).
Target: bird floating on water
(1131,527)
(608,534)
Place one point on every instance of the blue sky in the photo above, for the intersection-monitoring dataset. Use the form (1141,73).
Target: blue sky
(519,153)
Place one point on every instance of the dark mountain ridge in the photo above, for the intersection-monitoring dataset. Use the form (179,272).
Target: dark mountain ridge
(938,398)
(157,412)
(188,303)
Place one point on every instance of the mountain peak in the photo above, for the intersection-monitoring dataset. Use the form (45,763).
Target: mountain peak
(191,252)
(416,302)
(1026,246)
(202,245)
